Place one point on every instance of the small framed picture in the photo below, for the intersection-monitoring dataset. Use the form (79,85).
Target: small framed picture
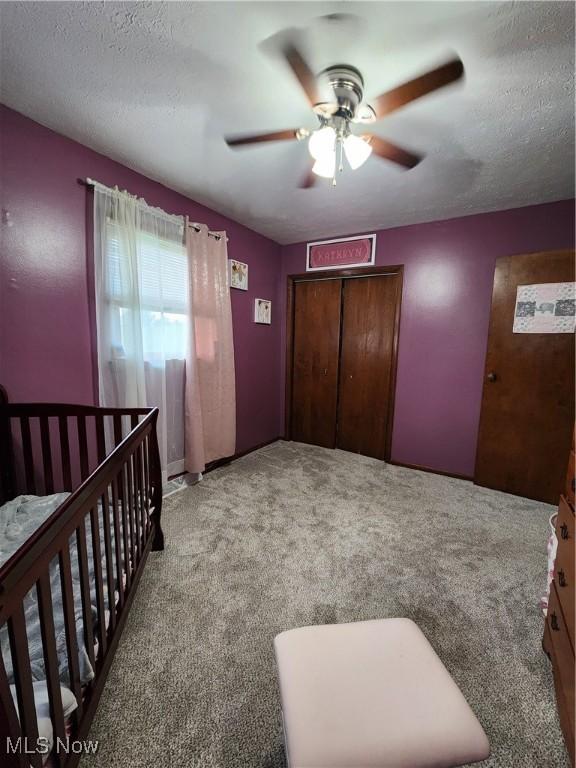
(238,275)
(263,311)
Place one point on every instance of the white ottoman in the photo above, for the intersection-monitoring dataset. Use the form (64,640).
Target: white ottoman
(372,693)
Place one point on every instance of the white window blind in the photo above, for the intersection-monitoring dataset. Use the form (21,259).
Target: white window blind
(161,296)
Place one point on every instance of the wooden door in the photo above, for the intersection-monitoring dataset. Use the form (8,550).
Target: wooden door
(528,399)
(370,310)
(315,361)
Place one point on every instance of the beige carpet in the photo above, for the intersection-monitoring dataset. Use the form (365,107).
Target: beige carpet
(294,535)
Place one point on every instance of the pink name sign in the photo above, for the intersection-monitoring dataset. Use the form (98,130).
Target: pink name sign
(345,252)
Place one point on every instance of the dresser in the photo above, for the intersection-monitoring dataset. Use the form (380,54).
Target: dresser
(559,637)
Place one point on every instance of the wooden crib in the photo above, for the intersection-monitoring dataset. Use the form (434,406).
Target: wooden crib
(108,460)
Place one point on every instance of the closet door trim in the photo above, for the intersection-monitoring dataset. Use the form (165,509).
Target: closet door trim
(396,270)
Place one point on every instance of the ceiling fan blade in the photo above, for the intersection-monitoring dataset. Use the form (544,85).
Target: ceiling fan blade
(389,151)
(302,71)
(238,141)
(420,86)
(309,180)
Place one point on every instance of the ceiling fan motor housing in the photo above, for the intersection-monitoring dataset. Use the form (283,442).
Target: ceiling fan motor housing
(348,86)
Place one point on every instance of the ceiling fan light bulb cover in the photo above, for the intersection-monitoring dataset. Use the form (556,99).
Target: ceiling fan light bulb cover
(321,142)
(357,151)
(326,166)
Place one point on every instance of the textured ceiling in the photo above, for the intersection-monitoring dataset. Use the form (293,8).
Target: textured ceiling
(156,85)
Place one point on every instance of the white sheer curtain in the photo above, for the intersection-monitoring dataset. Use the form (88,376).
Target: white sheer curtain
(142,313)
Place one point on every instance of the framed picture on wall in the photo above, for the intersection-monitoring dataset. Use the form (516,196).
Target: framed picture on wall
(357,251)
(238,275)
(263,311)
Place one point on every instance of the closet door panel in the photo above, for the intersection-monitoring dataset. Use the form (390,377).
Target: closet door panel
(366,368)
(315,362)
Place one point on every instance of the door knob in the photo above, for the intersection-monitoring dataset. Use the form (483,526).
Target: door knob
(491,376)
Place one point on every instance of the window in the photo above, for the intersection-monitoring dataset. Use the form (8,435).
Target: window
(142,314)
(153,302)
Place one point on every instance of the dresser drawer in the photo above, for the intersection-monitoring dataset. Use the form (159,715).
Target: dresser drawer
(570,481)
(562,653)
(565,525)
(564,577)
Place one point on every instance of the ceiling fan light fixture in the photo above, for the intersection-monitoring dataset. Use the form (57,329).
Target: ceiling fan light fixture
(325,166)
(321,142)
(357,151)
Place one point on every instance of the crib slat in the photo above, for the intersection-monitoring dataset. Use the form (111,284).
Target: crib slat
(28,454)
(97,559)
(70,624)
(23,677)
(117,429)
(82,446)
(136,497)
(9,725)
(146,480)
(125,532)
(46,455)
(142,495)
(136,503)
(109,561)
(46,614)
(100,439)
(130,499)
(135,509)
(117,544)
(65,453)
(85,590)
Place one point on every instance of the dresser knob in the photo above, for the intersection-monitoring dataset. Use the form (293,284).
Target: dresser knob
(564,531)
(554,623)
(561,578)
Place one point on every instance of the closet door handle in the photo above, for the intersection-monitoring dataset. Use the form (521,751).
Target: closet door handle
(561,578)
(564,531)
(554,623)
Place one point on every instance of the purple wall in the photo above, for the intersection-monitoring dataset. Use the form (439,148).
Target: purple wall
(448,273)
(45,328)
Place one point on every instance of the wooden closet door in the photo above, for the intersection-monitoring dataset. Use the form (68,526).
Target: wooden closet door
(528,398)
(369,318)
(315,361)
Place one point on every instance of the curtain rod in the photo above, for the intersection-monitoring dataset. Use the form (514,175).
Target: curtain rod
(91,184)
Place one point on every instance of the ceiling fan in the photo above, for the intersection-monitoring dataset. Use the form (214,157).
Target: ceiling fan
(334,139)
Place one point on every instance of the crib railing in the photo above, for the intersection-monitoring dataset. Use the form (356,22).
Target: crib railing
(104,530)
